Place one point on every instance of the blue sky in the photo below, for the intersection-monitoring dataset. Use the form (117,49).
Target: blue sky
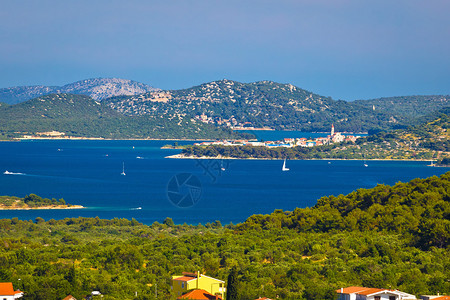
(345,49)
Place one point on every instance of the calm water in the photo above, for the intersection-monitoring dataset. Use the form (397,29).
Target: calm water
(88,173)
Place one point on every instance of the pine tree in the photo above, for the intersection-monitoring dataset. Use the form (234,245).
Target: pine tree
(232,285)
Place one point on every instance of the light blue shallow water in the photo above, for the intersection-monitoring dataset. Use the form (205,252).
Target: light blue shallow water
(88,173)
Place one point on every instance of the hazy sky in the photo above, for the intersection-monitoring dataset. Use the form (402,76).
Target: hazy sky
(346,49)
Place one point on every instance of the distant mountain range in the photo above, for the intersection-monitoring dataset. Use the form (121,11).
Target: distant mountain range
(97,88)
(226,104)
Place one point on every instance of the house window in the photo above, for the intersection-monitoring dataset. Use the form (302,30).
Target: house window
(377,298)
(392,297)
(182,285)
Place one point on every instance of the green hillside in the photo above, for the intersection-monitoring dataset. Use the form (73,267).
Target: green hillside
(408,106)
(81,116)
(264,103)
(388,237)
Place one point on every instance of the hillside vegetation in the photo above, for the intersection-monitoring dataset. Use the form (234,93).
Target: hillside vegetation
(81,116)
(392,237)
(262,104)
(408,106)
(258,104)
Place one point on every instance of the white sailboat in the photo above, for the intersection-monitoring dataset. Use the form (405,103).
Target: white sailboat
(284,166)
(123,169)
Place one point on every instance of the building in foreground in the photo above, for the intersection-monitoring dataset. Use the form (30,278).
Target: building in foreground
(364,293)
(7,291)
(190,281)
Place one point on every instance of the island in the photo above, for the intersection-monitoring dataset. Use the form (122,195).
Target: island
(33,201)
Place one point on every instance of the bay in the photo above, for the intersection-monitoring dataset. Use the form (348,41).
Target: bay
(275,135)
(88,173)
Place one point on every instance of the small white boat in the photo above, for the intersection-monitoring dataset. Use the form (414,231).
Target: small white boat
(123,169)
(284,166)
(139,157)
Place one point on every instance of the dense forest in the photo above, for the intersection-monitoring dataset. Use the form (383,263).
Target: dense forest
(426,141)
(81,116)
(389,237)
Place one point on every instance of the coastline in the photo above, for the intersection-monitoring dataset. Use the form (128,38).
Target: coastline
(180,156)
(42,207)
(98,139)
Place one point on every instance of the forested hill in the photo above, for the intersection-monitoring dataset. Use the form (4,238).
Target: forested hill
(259,104)
(56,106)
(408,106)
(97,88)
(419,208)
(393,237)
(81,116)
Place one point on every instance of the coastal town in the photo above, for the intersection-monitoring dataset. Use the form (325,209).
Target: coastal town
(332,138)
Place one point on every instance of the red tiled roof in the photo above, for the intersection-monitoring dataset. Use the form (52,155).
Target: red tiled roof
(358,290)
(184,278)
(264,298)
(6,289)
(70,297)
(198,295)
(442,298)
(371,291)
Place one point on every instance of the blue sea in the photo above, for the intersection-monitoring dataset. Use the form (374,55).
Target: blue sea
(88,173)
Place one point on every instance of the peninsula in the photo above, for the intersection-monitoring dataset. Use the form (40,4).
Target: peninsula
(33,201)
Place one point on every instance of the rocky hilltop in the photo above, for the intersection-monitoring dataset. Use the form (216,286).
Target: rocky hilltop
(97,88)
(258,104)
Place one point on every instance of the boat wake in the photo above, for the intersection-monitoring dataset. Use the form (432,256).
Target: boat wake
(136,208)
(12,173)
